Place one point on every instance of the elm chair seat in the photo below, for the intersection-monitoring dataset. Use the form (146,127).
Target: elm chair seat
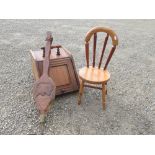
(94,75)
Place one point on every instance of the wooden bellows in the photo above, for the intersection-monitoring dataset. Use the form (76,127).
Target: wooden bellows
(44,88)
(93,32)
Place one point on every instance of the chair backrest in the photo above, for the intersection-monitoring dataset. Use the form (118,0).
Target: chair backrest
(93,32)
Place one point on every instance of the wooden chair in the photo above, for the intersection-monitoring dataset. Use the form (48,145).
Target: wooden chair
(90,76)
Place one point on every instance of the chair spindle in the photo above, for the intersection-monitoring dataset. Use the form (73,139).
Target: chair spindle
(109,57)
(103,50)
(94,49)
(87,53)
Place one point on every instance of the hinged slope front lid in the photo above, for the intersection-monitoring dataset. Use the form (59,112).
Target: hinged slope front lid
(38,55)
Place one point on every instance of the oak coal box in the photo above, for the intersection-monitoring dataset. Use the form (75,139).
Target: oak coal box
(61,68)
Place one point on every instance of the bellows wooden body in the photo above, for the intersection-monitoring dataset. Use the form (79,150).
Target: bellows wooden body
(61,68)
(44,87)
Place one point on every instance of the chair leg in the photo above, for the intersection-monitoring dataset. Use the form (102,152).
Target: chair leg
(80,91)
(103,96)
(106,89)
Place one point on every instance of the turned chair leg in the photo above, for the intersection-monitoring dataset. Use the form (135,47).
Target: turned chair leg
(106,88)
(103,96)
(80,91)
